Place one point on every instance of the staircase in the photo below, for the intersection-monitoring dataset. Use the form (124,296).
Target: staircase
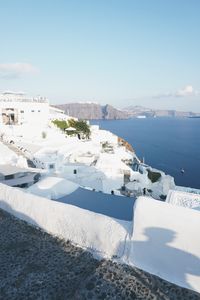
(19,153)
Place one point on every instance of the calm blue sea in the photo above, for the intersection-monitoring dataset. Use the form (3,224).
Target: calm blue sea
(168,144)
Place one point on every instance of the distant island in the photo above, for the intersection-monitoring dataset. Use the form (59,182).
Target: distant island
(94,111)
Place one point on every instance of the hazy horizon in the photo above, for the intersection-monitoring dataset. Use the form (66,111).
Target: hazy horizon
(121,53)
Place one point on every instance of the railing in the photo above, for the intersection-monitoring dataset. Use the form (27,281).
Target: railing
(24,100)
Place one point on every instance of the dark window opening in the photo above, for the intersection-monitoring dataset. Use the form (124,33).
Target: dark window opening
(9,176)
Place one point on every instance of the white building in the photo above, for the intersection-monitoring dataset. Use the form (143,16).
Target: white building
(58,114)
(18,177)
(17,109)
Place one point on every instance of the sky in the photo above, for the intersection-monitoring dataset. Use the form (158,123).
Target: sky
(121,52)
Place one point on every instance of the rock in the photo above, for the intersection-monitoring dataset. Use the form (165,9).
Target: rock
(89,111)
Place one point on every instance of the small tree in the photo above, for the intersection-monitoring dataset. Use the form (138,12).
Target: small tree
(81,127)
(60,124)
(153,176)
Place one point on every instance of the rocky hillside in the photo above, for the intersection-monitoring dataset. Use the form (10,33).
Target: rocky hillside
(93,111)
(135,111)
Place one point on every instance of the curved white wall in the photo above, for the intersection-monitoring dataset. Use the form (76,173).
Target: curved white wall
(104,235)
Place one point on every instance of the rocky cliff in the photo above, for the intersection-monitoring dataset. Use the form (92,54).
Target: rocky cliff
(89,111)
(93,111)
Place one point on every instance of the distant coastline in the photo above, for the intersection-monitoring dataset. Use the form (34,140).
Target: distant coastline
(194,117)
(95,111)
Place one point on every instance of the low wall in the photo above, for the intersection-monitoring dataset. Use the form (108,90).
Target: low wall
(165,239)
(166,242)
(185,199)
(103,235)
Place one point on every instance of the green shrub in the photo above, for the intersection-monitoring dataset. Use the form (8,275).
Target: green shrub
(153,176)
(105,145)
(81,127)
(60,124)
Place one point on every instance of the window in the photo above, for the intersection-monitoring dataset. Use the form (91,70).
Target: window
(32,110)
(9,176)
(23,185)
(22,111)
(51,166)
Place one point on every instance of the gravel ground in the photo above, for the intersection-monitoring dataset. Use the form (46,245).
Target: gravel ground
(36,265)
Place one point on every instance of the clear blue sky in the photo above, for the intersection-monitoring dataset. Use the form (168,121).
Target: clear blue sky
(122,52)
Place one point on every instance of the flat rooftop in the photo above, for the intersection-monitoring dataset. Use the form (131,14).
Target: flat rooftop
(20,97)
(8,169)
(118,207)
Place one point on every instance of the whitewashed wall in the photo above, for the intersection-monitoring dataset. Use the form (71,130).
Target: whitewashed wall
(33,112)
(103,235)
(166,242)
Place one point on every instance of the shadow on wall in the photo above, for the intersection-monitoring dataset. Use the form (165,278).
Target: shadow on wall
(5,206)
(157,256)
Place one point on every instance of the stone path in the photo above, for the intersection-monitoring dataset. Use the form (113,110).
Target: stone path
(36,265)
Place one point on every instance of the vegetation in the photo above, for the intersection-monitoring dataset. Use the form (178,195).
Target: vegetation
(153,176)
(60,124)
(105,145)
(82,128)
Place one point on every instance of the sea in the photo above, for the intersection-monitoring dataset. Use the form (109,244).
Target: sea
(167,144)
